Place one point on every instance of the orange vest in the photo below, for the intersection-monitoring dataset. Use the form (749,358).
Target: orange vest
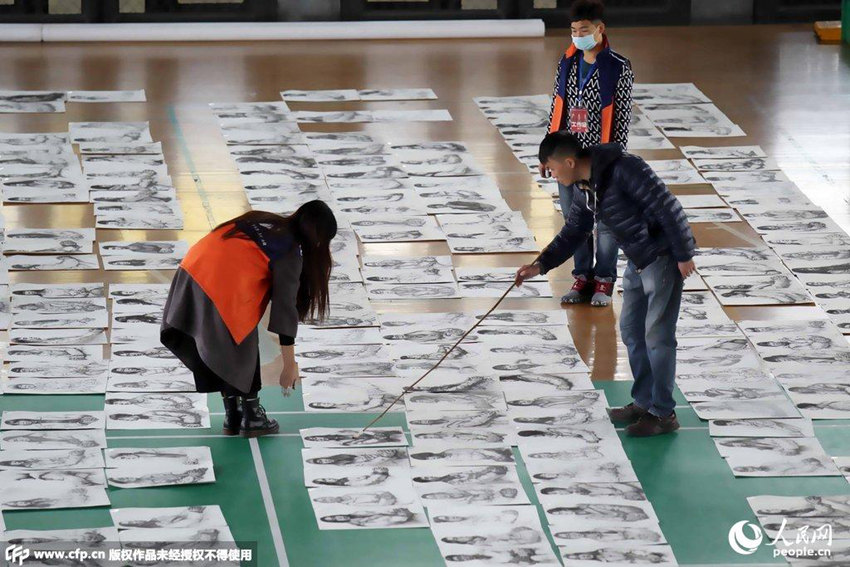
(235,275)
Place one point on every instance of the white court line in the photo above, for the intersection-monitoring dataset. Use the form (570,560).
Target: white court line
(265,489)
(216,436)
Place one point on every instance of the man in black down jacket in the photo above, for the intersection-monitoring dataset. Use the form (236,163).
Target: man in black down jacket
(647,220)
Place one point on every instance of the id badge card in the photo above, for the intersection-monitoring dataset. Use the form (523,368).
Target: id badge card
(578,120)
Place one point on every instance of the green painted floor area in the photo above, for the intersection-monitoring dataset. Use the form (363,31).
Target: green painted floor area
(692,489)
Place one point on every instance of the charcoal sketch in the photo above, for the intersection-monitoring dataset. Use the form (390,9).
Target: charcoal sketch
(62,459)
(379,518)
(320,437)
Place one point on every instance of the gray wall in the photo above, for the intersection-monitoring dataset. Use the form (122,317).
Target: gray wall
(701,11)
(308,10)
(721,11)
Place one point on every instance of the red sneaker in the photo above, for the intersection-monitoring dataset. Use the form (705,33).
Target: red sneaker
(581,292)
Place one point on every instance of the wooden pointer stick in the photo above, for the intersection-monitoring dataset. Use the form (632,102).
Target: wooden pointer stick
(407,389)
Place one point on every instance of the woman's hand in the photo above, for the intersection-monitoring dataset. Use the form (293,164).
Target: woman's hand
(289,376)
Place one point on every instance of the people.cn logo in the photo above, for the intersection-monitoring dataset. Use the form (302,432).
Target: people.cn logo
(740,542)
(16,553)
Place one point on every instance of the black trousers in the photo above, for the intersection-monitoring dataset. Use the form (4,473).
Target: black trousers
(256,384)
(205,379)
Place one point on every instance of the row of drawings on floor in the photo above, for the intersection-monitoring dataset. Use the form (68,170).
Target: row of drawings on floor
(57,335)
(758,383)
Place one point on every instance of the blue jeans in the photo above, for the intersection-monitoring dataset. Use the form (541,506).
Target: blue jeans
(651,302)
(606,245)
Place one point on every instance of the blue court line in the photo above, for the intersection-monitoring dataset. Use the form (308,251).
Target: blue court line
(187,155)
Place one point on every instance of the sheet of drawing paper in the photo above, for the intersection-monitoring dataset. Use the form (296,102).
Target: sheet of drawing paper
(667,93)
(450,455)
(197,517)
(394,493)
(642,139)
(761,428)
(738,262)
(43,499)
(136,417)
(109,132)
(351,394)
(72,320)
(373,437)
(746,409)
(128,457)
(25,305)
(383,517)
(758,290)
(345,476)
(142,475)
(68,241)
(173,537)
(446,484)
(676,171)
(759,465)
(133,148)
(54,385)
(394,230)
(635,553)
(746,164)
(390,291)
(38,440)
(723,152)
(832,506)
(63,353)
(390,457)
(22,262)
(52,420)
(583,471)
(51,459)
(397,94)
(497,289)
(722,214)
(107,96)
(320,95)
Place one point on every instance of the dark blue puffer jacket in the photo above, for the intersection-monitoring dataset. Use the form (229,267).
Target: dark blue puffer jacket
(645,218)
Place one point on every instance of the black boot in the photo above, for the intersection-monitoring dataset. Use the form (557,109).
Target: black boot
(254,420)
(232,415)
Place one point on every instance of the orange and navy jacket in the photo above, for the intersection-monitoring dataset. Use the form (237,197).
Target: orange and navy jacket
(615,79)
(236,274)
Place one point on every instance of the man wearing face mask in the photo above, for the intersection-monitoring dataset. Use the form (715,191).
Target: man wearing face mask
(649,223)
(593,100)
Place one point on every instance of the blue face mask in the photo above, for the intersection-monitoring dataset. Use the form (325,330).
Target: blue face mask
(584,42)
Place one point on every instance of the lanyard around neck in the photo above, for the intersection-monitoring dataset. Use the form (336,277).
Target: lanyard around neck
(583,80)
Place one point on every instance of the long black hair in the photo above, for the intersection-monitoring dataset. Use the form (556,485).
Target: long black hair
(313,226)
